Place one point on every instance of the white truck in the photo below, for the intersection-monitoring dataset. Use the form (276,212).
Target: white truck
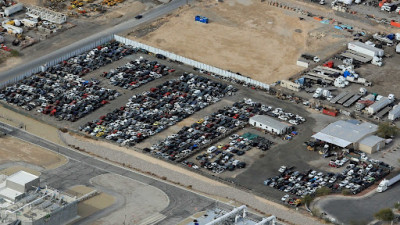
(365,49)
(398,48)
(385,184)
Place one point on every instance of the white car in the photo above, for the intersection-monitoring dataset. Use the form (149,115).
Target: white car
(282,169)
(285,197)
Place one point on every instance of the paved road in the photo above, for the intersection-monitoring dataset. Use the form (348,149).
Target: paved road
(148,16)
(347,209)
(81,168)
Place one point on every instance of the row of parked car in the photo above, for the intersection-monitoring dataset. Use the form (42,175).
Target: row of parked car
(219,158)
(152,111)
(355,178)
(61,92)
(200,133)
(93,59)
(66,97)
(137,73)
(210,128)
(279,113)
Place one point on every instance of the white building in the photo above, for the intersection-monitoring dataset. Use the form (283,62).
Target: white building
(351,134)
(16,185)
(269,124)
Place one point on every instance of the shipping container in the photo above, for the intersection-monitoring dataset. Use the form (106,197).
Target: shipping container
(395,24)
(365,49)
(330,112)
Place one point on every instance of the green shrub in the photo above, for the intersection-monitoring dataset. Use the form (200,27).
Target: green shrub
(384,214)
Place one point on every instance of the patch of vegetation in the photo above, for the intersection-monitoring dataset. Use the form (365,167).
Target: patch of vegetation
(307,200)
(384,214)
(14,53)
(385,130)
(346,192)
(397,205)
(323,191)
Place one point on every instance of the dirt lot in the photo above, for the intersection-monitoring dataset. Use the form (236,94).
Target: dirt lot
(15,150)
(30,125)
(250,37)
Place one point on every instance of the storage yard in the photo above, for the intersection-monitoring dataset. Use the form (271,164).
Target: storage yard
(275,40)
(282,104)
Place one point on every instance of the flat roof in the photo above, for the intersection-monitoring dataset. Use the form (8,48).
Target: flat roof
(22,177)
(269,121)
(371,141)
(10,193)
(343,133)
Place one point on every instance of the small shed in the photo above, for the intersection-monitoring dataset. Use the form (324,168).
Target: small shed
(371,144)
(270,124)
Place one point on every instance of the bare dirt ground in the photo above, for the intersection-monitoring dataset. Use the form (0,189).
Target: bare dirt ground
(13,169)
(31,125)
(141,200)
(250,37)
(15,150)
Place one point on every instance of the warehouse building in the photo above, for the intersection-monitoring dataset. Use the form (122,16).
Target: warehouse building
(23,202)
(352,134)
(270,124)
(371,144)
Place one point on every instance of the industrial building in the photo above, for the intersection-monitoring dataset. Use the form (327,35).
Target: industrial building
(352,134)
(238,216)
(16,185)
(270,124)
(24,202)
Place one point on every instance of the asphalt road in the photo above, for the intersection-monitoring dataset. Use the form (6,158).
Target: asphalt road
(147,17)
(347,210)
(81,168)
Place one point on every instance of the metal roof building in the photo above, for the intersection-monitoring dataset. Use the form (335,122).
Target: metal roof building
(343,133)
(270,124)
(371,144)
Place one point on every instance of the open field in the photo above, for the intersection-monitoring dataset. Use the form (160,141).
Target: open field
(15,150)
(253,38)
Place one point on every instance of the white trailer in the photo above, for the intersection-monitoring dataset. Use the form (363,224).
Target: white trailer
(365,49)
(385,184)
(13,29)
(378,105)
(13,9)
(398,48)
(394,113)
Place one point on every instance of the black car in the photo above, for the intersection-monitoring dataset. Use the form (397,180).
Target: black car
(138,17)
